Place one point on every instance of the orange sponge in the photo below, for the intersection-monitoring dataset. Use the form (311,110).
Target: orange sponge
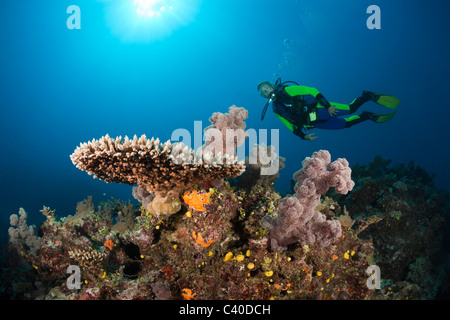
(196,200)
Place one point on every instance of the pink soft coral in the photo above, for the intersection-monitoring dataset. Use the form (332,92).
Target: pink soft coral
(230,127)
(297,218)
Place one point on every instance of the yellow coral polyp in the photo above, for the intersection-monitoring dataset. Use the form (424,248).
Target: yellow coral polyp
(240,257)
(228,256)
(197,200)
(269,273)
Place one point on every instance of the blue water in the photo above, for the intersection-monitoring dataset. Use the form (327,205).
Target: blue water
(60,87)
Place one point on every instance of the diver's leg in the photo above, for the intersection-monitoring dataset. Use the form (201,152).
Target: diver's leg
(358,102)
(323,114)
(327,121)
(351,121)
(334,123)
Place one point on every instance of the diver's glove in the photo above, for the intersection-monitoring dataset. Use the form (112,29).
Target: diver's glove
(310,137)
(299,133)
(332,111)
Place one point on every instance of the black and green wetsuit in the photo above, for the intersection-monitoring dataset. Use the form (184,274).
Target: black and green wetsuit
(304,108)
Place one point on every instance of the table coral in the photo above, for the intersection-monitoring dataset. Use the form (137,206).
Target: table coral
(153,166)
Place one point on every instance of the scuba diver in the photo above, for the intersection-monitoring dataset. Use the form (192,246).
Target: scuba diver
(304,108)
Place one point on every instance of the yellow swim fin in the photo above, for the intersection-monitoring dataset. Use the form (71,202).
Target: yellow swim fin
(386,100)
(380,118)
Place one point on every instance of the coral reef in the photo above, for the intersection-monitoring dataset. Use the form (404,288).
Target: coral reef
(219,253)
(237,238)
(216,250)
(221,249)
(407,227)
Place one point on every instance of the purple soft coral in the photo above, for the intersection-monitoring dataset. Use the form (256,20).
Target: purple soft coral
(297,218)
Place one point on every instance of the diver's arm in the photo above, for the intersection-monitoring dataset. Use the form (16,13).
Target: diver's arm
(297,130)
(302,91)
(299,133)
(323,101)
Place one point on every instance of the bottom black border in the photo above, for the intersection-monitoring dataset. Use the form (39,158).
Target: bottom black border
(222,309)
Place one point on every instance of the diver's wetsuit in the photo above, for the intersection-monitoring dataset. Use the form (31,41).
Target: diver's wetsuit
(300,107)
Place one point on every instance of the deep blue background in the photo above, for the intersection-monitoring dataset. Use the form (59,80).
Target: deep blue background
(60,87)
